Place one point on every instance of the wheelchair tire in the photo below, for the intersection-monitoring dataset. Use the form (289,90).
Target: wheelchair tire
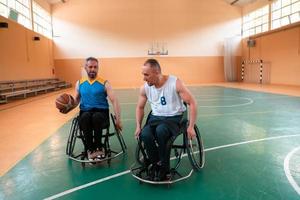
(195,150)
(72,137)
(118,133)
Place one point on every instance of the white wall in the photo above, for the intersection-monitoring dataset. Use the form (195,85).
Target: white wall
(126,28)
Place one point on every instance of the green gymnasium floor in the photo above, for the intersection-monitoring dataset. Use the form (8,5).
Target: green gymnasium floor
(250,138)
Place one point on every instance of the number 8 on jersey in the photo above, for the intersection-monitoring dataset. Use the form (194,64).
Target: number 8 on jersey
(163,100)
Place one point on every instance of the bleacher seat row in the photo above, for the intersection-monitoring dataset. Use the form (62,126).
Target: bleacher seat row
(25,88)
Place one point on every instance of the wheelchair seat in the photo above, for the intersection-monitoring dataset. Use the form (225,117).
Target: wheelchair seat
(180,147)
(76,151)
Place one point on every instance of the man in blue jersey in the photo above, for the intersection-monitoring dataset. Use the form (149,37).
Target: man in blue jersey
(91,93)
(166,94)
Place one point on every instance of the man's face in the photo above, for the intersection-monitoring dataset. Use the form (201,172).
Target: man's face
(91,68)
(151,75)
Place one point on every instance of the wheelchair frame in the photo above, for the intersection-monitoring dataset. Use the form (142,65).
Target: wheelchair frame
(76,133)
(187,148)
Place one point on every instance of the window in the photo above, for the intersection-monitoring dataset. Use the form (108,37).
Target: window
(41,20)
(3,8)
(285,12)
(18,10)
(256,22)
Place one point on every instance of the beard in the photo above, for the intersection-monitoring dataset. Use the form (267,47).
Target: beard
(92,74)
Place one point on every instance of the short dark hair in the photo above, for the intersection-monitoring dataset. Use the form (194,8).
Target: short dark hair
(91,59)
(153,63)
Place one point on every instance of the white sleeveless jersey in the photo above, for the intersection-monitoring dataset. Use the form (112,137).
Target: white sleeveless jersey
(165,101)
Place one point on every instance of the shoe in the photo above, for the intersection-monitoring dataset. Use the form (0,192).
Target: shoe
(91,155)
(141,172)
(163,174)
(100,154)
(151,172)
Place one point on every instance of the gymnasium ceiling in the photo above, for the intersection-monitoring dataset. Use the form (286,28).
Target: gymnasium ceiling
(55,1)
(239,2)
(232,2)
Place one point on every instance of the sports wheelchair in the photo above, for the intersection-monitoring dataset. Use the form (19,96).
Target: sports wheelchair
(179,147)
(78,152)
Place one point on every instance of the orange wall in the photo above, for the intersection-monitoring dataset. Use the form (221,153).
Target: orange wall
(20,56)
(126,72)
(121,32)
(280,49)
(126,28)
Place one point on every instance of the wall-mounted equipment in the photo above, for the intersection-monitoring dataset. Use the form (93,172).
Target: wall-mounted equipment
(3,25)
(36,38)
(13,15)
(251,43)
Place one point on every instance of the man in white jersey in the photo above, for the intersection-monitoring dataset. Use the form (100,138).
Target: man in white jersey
(166,94)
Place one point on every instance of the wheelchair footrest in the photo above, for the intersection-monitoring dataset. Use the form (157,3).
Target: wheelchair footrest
(146,175)
(82,157)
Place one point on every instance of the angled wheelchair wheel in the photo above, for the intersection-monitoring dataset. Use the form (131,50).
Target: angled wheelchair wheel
(72,137)
(118,133)
(195,150)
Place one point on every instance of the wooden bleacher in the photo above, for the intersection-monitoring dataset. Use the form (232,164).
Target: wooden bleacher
(24,88)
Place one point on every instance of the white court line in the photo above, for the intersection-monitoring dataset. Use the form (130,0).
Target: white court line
(255,97)
(128,171)
(221,114)
(87,185)
(238,113)
(283,97)
(217,99)
(209,95)
(221,98)
(288,172)
(250,101)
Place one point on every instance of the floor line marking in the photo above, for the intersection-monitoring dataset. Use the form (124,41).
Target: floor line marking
(221,114)
(128,171)
(288,172)
(250,101)
(87,185)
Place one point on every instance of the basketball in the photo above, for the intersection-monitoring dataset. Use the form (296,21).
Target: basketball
(64,102)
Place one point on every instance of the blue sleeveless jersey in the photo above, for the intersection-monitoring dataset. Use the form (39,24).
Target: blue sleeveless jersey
(92,94)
